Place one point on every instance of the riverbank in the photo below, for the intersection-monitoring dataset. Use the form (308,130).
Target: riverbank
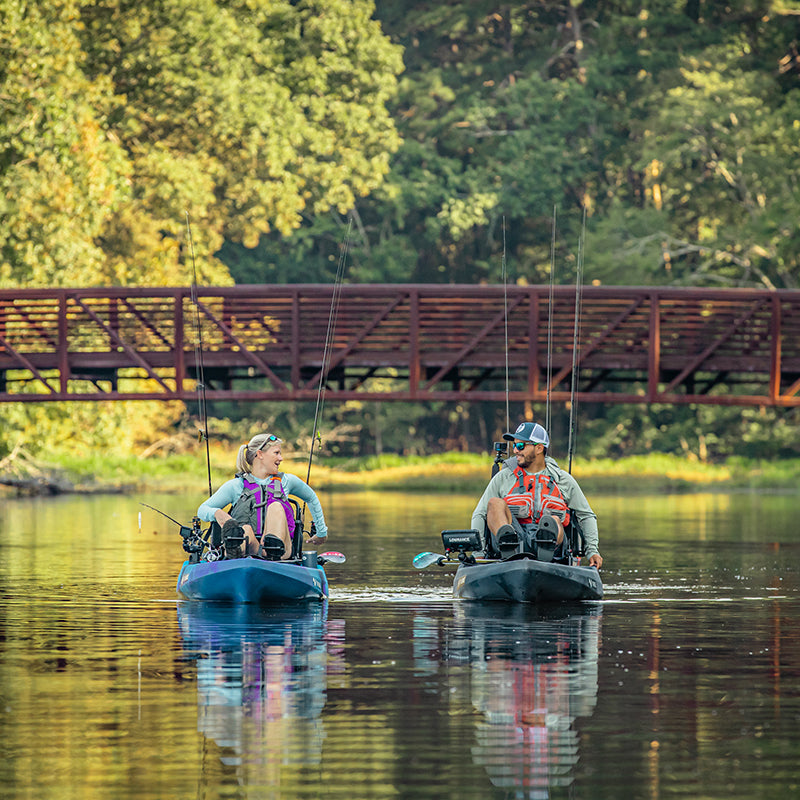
(449,472)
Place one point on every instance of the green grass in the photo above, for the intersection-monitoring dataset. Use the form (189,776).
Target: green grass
(446,472)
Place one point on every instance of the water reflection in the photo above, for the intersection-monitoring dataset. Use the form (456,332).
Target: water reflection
(261,685)
(530,674)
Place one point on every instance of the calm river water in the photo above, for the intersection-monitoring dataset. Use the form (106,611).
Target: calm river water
(683,682)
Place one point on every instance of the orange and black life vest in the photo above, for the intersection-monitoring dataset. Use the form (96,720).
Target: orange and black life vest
(537,495)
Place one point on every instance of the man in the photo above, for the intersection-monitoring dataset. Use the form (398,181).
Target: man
(541,495)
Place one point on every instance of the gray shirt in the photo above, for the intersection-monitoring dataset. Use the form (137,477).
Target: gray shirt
(505,480)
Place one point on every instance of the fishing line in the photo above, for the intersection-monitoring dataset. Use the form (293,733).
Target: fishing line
(198,356)
(550,322)
(576,339)
(505,316)
(333,315)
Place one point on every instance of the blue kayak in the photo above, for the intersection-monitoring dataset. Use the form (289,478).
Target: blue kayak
(251,580)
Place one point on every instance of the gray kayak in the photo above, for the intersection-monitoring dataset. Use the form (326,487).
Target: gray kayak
(523,579)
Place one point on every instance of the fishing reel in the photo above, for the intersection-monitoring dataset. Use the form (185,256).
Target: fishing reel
(193,541)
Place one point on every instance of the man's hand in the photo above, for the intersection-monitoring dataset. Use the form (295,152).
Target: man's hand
(596,560)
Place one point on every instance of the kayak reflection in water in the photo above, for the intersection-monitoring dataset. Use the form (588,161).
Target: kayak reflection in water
(532,673)
(261,684)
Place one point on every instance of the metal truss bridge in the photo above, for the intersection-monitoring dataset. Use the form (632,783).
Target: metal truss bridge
(416,342)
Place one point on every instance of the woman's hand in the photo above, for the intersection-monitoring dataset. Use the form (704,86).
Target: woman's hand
(317,540)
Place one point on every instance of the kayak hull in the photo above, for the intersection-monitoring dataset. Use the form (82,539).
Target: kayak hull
(251,580)
(525,580)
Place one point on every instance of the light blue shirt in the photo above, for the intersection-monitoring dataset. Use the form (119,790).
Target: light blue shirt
(229,492)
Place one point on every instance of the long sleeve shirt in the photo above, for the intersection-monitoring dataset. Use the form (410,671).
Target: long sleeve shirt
(229,492)
(504,481)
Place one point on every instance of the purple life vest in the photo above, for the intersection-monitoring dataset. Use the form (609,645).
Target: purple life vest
(265,496)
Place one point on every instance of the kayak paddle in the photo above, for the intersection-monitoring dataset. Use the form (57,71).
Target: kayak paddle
(333,556)
(422,560)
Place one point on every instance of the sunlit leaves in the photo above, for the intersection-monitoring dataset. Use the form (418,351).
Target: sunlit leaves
(242,113)
(728,145)
(61,171)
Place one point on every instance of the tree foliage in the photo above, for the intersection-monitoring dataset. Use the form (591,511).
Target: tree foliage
(673,122)
(119,118)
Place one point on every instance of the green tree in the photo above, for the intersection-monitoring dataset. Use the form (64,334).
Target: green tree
(508,110)
(729,139)
(702,183)
(242,113)
(61,174)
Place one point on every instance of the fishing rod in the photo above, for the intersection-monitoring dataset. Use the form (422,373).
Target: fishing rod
(153,508)
(198,355)
(333,315)
(505,316)
(576,339)
(550,322)
(194,541)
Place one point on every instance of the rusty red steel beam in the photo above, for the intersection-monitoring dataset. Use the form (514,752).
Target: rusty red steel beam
(382,314)
(470,346)
(585,352)
(434,342)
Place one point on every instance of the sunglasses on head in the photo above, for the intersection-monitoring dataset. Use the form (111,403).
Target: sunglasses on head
(267,441)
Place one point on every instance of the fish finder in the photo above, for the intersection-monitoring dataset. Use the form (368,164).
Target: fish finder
(462,542)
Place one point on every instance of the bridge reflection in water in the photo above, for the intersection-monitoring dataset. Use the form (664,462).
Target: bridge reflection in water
(412,342)
(530,674)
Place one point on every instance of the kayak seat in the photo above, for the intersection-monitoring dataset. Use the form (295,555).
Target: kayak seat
(297,539)
(572,548)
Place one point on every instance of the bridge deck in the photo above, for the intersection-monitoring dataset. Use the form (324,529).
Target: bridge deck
(402,342)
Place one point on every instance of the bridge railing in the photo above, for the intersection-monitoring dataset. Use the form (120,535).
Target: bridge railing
(402,342)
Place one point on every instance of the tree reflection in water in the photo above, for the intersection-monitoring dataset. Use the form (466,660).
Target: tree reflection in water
(531,673)
(261,682)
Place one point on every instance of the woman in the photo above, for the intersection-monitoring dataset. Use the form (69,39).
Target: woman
(258,496)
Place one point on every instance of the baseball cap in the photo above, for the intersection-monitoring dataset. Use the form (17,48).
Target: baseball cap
(529,432)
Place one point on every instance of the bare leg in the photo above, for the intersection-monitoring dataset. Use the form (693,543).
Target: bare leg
(276,525)
(560,524)
(497,514)
(250,541)
(504,538)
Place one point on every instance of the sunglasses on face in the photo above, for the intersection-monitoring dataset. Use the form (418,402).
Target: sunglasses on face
(519,446)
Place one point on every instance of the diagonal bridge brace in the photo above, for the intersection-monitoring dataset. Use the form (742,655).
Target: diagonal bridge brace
(248,354)
(26,364)
(613,325)
(472,343)
(115,337)
(695,363)
(355,341)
